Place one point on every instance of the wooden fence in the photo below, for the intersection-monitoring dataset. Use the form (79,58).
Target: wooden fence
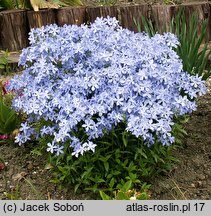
(16,24)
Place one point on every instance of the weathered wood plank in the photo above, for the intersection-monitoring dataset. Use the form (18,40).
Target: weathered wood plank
(40,18)
(14,30)
(102,11)
(71,15)
(203,10)
(134,12)
(163,15)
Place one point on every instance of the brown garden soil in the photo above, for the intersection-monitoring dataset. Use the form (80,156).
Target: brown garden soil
(26,177)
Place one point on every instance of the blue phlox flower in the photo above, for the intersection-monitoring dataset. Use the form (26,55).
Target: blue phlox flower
(19,139)
(59,150)
(24,127)
(91,78)
(51,147)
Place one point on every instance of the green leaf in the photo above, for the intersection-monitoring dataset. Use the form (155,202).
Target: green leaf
(106,165)
(62,169)
(141,152)
(111,183)
(7,4)
(8,119)
(76,187)
(5,111)
(125,138)
(11,123)
(122,196)
(87,172)
(126,186)
(55,181)
(154,156)
(104,196)
(118,160)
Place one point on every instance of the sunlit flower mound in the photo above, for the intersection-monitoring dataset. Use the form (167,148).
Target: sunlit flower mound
(90,78)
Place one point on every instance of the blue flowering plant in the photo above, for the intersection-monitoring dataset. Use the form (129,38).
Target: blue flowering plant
(80,82)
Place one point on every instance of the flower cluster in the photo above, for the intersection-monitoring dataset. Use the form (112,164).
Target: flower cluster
(94,77)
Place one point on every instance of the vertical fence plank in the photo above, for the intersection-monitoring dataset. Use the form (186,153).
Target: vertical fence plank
(162,16)
(203,11)
(14,30)
(134,12)
(102,11)
(71,15)
(40,18)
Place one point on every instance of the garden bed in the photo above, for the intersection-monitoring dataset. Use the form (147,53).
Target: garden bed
(24,172)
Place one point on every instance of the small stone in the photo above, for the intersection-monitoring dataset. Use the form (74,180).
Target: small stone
(193,185)
(167,186)
(36,164)
(19,176)
(205,197)
(158,196)
(201,177)
(199,183)
(30,165)
(12,187)
(208,173)
(2,166)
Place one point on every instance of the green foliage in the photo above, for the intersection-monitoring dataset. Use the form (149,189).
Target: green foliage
(14,4)
(36,4)
(4,63)
(194,57)
(9,120)
(15,195)
(191,49)
(6,4)
(119,158)
(126,192)
(178,129)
